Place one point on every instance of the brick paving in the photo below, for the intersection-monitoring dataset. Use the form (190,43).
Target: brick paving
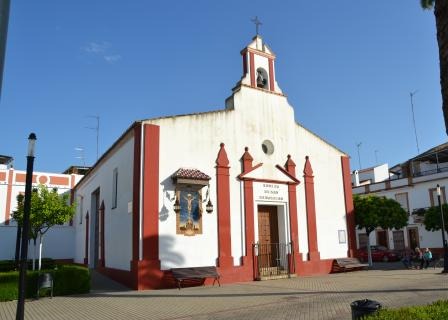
(321,297)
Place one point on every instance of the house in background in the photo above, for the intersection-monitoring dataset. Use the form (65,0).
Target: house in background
(413,184)
(59,241)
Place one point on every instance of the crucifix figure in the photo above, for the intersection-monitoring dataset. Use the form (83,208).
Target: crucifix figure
(257,23)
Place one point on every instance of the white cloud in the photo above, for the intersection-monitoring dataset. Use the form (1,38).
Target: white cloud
(97,47)
(112,58)
(103,50)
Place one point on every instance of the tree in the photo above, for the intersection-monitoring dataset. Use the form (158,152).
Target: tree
(372,212)
(432,220)
(48,208)
(441,15)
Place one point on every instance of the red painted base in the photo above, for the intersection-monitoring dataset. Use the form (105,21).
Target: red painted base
(235,274)
(225,262)
(314,256)
(309,268)
(147,275)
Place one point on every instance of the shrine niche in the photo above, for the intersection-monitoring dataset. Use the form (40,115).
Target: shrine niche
(188,204)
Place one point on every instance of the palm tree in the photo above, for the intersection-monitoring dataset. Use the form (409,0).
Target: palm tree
(441,14)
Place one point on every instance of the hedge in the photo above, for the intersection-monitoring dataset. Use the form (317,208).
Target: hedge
(10,265)
(436,310)
(68,279)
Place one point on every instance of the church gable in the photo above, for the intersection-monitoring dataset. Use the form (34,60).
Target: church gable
(262,172)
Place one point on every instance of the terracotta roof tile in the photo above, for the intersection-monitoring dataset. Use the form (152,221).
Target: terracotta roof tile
(185,173)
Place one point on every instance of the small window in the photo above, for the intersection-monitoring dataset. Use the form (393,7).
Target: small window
(402,199)
(81,208)
(433,196)
(363,240)
(115,188)
(268,147)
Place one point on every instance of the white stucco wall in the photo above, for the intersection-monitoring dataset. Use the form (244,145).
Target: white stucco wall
(418,197)
(58,242)
(256,116)
(118,221)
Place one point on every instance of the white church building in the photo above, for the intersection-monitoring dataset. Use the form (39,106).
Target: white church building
(246,189)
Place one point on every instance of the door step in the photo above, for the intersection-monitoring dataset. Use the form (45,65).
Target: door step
(275,277)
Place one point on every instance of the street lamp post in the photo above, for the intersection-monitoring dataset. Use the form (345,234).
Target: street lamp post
(445,248)
(25,227)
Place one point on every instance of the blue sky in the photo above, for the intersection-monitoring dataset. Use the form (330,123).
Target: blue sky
(347,68)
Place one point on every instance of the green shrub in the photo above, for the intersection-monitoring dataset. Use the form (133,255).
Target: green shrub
(71,279)
(68,279)
(436,310)
(10,265)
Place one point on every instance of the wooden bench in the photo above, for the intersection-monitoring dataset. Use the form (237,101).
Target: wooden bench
(345,264)
(195,273)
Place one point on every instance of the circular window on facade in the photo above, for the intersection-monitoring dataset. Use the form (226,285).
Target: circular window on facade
(268,147)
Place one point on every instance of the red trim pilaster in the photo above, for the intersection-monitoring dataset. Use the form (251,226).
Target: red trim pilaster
(136,192)
(151,193)
(8,196)
(102,261)
(248,186)
(349,208)
(252,69)
(271,75)
(244,55)
(225,258)
(86,249)
(147,271)
(313,250)
(290,167)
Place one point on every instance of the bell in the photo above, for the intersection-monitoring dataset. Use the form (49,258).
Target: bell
(260,81)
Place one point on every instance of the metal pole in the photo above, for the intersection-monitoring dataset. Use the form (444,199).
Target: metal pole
(358,145)
(413,118)
(25,232)
(4,18)
(18,238)
(445,248)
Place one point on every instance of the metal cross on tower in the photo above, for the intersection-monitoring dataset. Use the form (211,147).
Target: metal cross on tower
(257,23)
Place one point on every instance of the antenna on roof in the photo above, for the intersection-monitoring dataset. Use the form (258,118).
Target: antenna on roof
(358,145)
(97,129)
(376,157)
(413,119)
(81,155)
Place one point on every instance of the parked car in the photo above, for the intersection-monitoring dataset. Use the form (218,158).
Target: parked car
(379,253)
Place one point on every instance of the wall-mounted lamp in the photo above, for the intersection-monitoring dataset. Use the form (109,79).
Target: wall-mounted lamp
(176,206)
(209,207)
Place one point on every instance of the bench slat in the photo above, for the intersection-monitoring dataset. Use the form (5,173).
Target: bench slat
(350,263)
(181,274)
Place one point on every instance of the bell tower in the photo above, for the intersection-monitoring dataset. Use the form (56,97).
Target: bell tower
(259,66)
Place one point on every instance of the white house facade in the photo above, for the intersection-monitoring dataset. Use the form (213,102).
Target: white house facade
(413,184)
(246,189)
(59,241)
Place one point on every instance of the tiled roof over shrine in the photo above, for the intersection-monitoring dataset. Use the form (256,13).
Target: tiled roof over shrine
(187,173)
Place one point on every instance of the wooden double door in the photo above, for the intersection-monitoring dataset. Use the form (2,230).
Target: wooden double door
(268,238)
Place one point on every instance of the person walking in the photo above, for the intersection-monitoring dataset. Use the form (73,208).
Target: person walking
(419,256)
(427,257)
(407,258)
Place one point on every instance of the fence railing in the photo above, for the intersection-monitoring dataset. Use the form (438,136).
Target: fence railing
(273,259)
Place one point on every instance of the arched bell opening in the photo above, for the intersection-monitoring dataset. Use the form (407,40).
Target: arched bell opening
(262,78)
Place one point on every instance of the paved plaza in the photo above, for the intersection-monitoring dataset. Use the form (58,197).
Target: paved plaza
(321,297)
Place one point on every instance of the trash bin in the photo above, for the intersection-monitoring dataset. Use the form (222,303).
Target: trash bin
(45,281)
(364,307)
